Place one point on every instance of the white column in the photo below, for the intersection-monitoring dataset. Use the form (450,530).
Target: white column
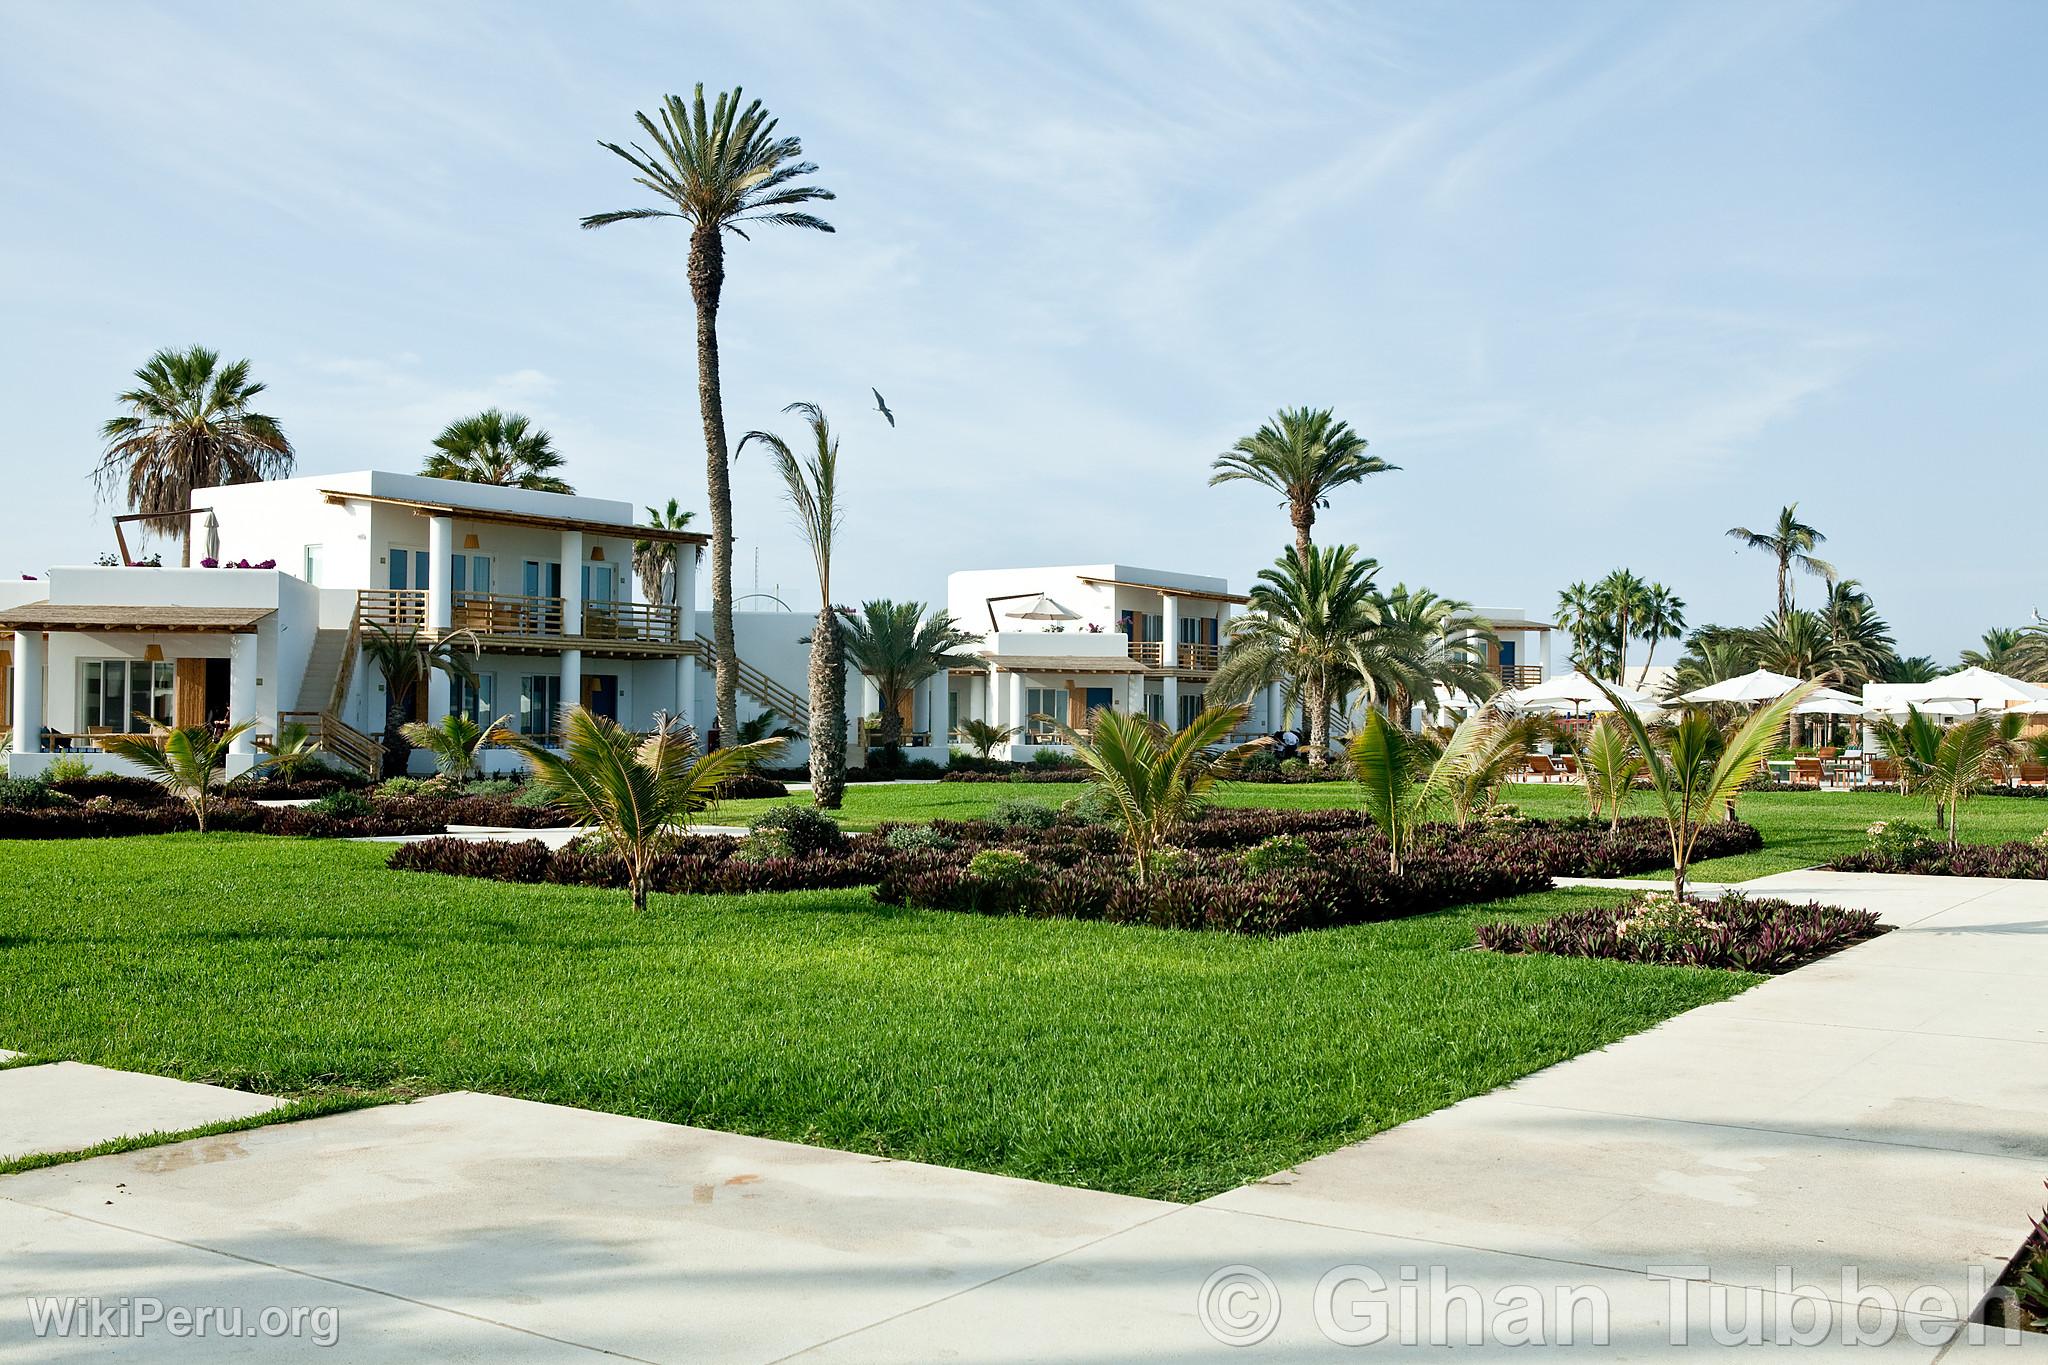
(572,591)
(1169,649)
(572,680)
(28,692)
(937,696)
(1169,701)
(1014,703)
(440,594)
(439,696)
(1543,650)
(992,699)
(242,690)
(686,590)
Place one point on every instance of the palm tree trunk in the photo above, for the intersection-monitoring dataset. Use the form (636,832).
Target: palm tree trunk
(1303,515)
(892,719)
(707,282)
(640,883)
(1315,700)
(1648,655)
(828,711)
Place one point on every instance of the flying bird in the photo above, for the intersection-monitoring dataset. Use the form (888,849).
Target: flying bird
(882,407)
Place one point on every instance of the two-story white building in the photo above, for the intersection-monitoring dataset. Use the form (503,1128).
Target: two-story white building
(537,589)
(1059,642)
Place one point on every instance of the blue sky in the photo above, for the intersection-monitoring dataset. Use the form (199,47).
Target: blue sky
(1602,279)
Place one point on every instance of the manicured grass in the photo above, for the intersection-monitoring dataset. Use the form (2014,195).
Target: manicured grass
(1800,829)
(1154,1063)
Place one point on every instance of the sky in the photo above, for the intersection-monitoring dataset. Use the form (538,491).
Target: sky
(1603,280)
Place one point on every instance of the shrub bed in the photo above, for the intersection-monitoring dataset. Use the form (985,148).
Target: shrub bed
(107,816)
(2020,860)
(692,865)
(1734,932)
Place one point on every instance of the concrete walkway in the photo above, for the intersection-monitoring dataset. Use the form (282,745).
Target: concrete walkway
(1886,1109)
(66,1106)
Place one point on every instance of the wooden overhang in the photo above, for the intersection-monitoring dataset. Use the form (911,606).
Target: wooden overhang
(1199,594)
(1062,663)
(143,620)
(623,531)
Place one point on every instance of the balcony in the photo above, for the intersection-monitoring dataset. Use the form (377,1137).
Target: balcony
(1193,658)
(511,619)
(1520,675)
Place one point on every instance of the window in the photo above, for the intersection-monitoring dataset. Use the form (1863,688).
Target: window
(1190,707)
(1044,701)
(952,715)
(315,564)
(540,698)
(469,574)
(478,700)
(408,568)
(542,579)
(1155,706)
(597,583)
(116,693)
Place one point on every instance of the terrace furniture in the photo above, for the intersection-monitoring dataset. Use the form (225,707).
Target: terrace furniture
(2033,774)
(1542,768)
(1806,772)
(1884,770)
(1571,765)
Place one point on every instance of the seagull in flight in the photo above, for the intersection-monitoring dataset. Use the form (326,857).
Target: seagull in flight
(882,407)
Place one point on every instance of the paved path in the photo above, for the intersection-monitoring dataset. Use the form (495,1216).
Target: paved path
(66,1107)
(1885,1109)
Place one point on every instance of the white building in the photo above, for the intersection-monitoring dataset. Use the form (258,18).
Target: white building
(541,584)
(1059,642)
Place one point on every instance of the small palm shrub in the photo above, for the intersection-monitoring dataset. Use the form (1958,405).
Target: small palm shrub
(190,761)
(1157,779)
(290,753)
(456,743)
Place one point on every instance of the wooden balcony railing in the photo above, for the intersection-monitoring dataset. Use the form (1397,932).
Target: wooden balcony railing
(395,609)
(1521,675)
(662,625)
(1198,658)
(498,613)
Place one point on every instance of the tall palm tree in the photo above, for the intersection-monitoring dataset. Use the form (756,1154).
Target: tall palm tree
(1584,617)
(1799,644)
(813,486)
(898,645)
(2000,645)
(1713,654)
(655,560)
(1307,616)
(1623,599)
(494,447)
(1792,543)
(188,425)
(715,172)
(1863,641)
(1663,618)
(1303,454)
(1916,668)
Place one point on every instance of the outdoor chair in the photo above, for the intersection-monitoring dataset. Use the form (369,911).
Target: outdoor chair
(1542,769)
(1806,772)
(1884,770)
(2033,774)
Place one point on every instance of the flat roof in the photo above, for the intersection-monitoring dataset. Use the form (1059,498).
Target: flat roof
(624,530)
(86,616)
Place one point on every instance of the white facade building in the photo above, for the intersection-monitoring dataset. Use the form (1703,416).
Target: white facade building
(539,585)
(1059,642)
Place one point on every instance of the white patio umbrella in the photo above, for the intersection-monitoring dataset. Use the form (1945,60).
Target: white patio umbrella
(1926,706)
(1749,689)
(1980,685)
(212,543)
(1042,608)
(1828,702)
(1571,692)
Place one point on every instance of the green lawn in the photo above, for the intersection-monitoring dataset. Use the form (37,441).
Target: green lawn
(1800,829)
(1154,1063)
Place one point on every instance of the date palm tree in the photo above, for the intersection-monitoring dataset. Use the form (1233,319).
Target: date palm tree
(1303,454)
(189,760)
(1154,778)
(717,171)
(899,645)
(1791,542)
(635,791)
(1609,765)
(289,753)
(405,660)
(188,426)
(812,483)
(1308,615)
(1443,642)
(1971,754)
(1663,618)
(1696,767)
(2000,644)
(655,560)
(1402,777)
(501,448)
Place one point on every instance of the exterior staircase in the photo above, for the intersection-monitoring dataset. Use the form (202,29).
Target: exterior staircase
(793,709)
(325,685)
